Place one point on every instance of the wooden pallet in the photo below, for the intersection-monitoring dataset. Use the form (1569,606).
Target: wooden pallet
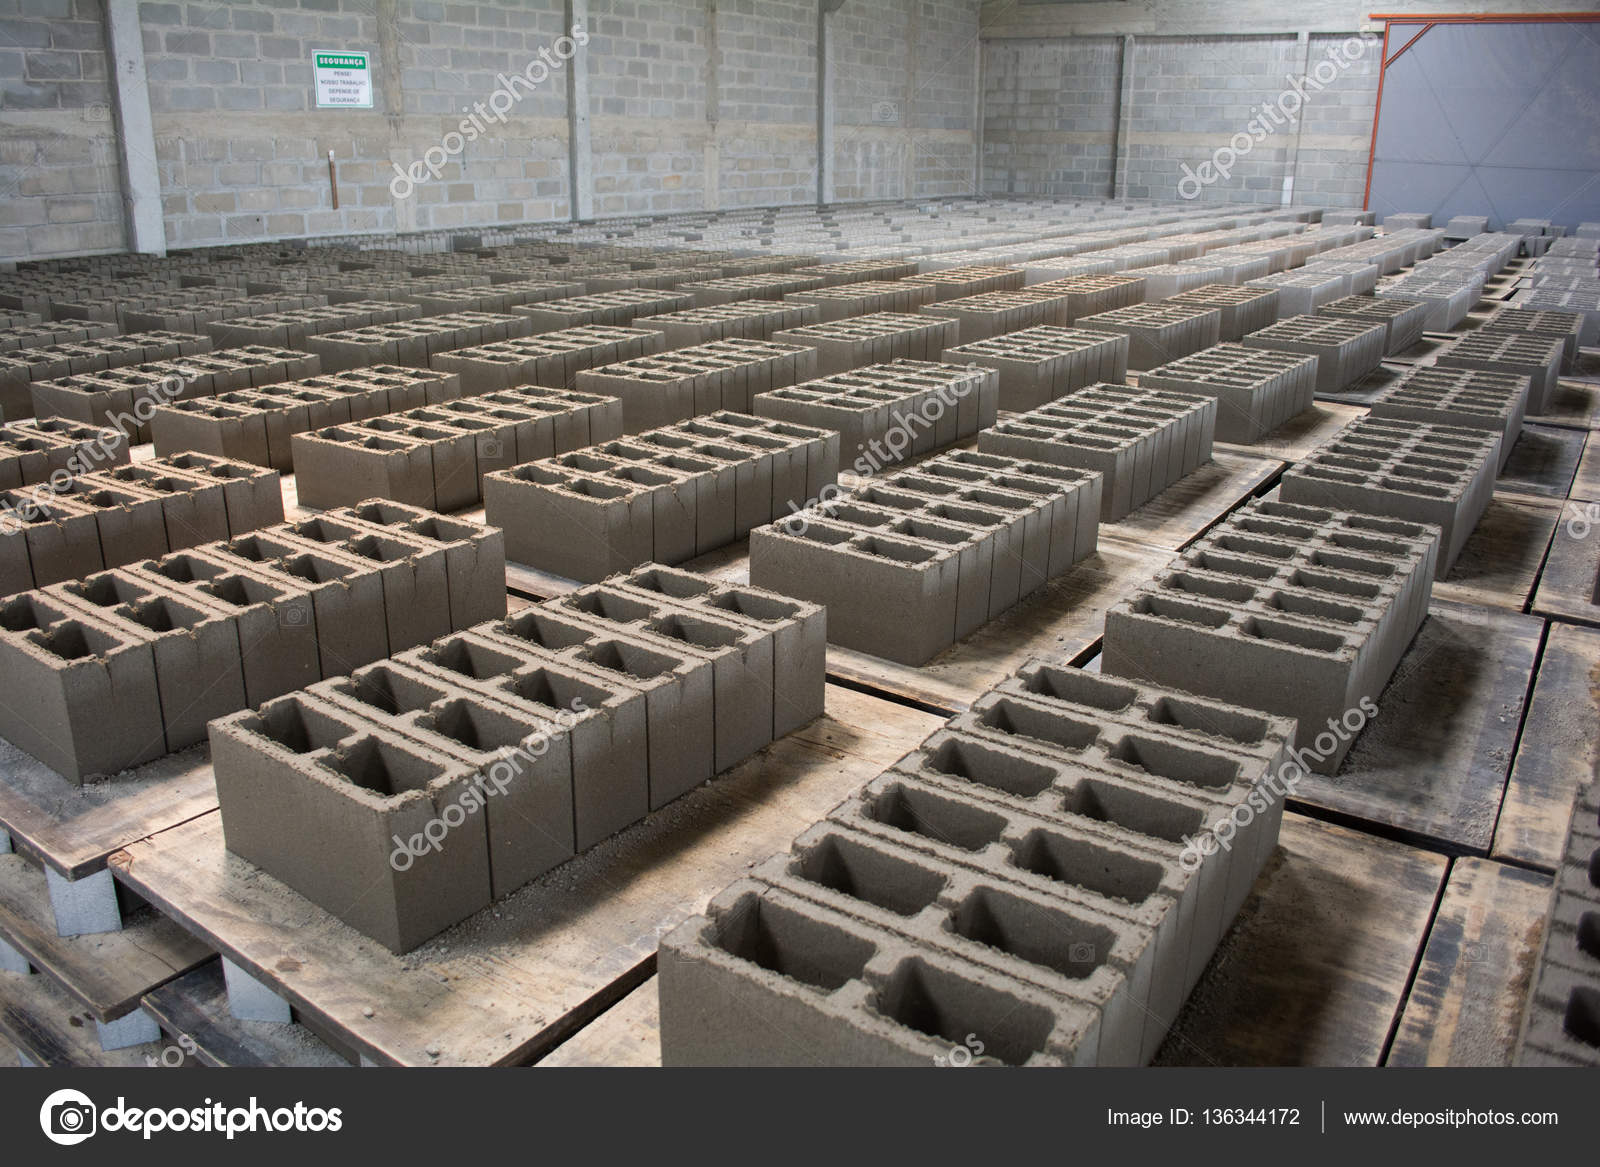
(1558,753)
(43,1023)
(107,973)
(512,982)
(1465,1005)
(1434,762)
(1586,479)
(1543,462)
(1569,589)
(1300,435)
(1500,562)
(194,1008)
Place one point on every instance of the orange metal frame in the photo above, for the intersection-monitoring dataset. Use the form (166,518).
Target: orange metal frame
(1428,20)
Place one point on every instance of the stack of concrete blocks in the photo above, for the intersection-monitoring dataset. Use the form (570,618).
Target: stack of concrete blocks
(887,413)
(35,448)
(1232,266)
(1302,292)
(1038,365)
(436,457)
(292,329)
(414,342)
(1462,227)
(841,302)
(1588,231)
(1536,356)
(493,297)
(1406,221)
(993,314)
(257,425)
(564,723)
(124,666)
(617,309)
(1165,280)
(186,310)
(20,368)
(1567,326)
(1069,300)
(1257,390)
(955,283)
(739,289)
(1403,320)
(1415,472)
(1470,398)
(553,359)
(1302,611)
(843,345)
(1361,279)
(1015,891)
(1332,217)
(1060,268)
(109,517)
(856,271)
(722,374)
(745,320)
(665,496)
(908,564)
(126,398)
(1243,309)
(1561,1025)
(1449,297)
(1160,332)
(1584,304)
(1140,440)
(663,278)
(1346,349)
(27,331)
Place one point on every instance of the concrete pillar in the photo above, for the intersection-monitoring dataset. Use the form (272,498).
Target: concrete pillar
(13,961)
(249,999)
(580,157)
(712,193)
(825,112)
(136,132)
(1119,146)
(1291,163)
(84,906)
(136,1028)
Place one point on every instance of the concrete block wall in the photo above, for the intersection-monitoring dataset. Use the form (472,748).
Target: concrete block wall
(1050,116)
(693,105)
(1190,96)
(59,176)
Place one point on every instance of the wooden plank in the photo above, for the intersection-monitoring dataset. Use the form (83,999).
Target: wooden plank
(1434,761)
(1586,479)
(1499,565)
(1302,434)
(627,1034)
(194,1009)
(1060,623)
(1576,400)
(1314,970)
(1543,462)
(1364,390)
(40,1019)
(73,828)
(1569,589)
(517,978)
(105,973)
(1465,1004)
(1558,753)
(1182,512)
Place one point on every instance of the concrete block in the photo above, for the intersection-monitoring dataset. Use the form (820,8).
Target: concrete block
(1533,355)
(1467,398)
(1346,349)
(1038,365)
(1159,332)
(1257,390)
